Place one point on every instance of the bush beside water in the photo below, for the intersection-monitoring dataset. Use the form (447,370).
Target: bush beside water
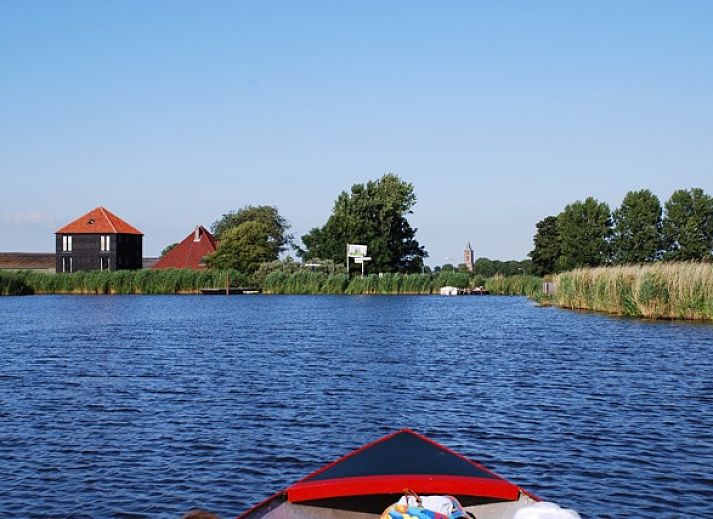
(655,291)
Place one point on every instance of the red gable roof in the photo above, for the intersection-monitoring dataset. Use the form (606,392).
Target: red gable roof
(99,221)
(190,252)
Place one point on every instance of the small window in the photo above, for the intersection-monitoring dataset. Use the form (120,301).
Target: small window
(67,264)
(66,243)
(105,243)
(104,264)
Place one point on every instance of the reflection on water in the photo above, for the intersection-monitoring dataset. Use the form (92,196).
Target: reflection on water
(153,405)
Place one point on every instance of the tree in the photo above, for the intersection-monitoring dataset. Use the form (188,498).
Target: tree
(688,225)
(167,249)
(485,267)
(546,254)
(584,229)
(276,225)
(488,268)
(372,214)
(637,228)
(244,248)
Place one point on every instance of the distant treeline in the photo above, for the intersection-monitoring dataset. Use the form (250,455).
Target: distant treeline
(589,234)
(284,281)
(487,268)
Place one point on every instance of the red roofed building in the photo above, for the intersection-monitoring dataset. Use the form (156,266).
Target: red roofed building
(98,240)
(191,252)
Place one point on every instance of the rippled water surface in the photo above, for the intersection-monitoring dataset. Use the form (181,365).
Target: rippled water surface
(149,406)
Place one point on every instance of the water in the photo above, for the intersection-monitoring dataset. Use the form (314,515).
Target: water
(150,406)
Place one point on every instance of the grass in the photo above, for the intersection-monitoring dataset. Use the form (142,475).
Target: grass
(653,291)
(12,284)
(524,285)
(287,281)
(306,282)
(169,281)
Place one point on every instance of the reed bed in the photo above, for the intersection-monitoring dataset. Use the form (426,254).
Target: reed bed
(523,285)
(169,281)
(653,291)
(304,282)
(178,281)
(12,284)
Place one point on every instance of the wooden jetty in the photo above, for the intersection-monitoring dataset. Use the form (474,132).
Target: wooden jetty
(230,291)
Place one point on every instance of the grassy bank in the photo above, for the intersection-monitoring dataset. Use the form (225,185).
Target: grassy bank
(170,281)
(11,284)
(530,286)
(299,281)
(656,291)
(305,282)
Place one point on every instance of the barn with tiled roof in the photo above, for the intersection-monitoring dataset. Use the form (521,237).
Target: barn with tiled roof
(191,252)
(98,240)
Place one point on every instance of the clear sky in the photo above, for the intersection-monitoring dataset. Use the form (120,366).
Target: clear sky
(500,113)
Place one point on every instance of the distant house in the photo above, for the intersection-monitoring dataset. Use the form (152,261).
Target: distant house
(191,252)
(98,240)
(34,261)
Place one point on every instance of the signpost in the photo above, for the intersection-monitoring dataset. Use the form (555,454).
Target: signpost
(358,252)
(361,261)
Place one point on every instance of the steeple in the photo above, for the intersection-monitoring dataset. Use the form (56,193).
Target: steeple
(468,257)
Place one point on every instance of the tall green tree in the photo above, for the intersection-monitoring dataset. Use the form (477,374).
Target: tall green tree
(488,268)
(637,228)
(244,248)
(276,225)
(546,254)
(372,214)
(249,236)
(688,225)
(585,230)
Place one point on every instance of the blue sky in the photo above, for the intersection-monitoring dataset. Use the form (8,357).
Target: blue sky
(500,113)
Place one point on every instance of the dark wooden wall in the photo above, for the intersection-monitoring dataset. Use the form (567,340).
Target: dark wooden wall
(126,252)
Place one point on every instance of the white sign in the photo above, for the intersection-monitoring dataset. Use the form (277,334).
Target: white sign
(361,260)
(356,251)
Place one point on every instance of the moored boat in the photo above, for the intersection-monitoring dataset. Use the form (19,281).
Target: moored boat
(365,482)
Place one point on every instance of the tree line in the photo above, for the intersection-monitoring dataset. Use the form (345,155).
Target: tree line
(374,214)
(588,234)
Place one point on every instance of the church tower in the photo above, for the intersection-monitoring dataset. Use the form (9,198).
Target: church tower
(468,257)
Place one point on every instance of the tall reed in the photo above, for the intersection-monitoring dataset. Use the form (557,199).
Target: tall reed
(168,281)
(307,282)
(653,291)
(524,285)
(12,284)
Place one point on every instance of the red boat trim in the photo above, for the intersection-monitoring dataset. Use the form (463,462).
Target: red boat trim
(395,484)
(388,437)
(305,490)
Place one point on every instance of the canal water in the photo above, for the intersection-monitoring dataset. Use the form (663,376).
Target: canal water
(142,406)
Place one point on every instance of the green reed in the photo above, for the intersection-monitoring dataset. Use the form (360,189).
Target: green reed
(523,285)
(654,291)
(148,281)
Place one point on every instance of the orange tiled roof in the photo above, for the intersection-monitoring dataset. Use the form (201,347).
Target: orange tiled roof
(190,252)
(98,221)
